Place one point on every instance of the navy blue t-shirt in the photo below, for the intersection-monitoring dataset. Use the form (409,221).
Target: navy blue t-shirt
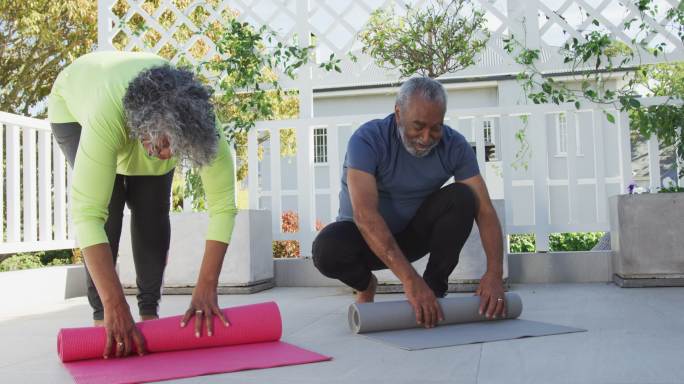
(403,180)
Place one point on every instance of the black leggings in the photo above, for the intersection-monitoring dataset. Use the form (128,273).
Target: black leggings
(148,198)
(441,226)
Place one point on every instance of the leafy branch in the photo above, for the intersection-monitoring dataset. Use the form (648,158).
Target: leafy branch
(245,75)
(598,54)
(432,41)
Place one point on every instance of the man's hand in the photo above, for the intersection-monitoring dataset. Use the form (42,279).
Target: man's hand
(363,192)
(424,302)
(122,334)
(204,306)
(492,298)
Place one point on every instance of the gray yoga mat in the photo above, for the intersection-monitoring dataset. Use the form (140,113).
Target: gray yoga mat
(393,322)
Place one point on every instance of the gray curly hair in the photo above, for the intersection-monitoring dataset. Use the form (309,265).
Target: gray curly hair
(170,101)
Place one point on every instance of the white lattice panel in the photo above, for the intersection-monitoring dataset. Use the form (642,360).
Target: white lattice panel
(544,24)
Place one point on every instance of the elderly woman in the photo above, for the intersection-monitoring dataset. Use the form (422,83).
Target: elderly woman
(123,120)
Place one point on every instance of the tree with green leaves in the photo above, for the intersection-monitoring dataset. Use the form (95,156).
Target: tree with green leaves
(443,37)
(37,39)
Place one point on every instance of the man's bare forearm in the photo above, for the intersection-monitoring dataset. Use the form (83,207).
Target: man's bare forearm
(492,241)
(382,243)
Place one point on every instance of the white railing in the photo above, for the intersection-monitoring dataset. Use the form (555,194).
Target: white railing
(34,179)
(555,193)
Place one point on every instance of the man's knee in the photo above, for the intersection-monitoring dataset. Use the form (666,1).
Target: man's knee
(463,198)
(323,253)
(330,248)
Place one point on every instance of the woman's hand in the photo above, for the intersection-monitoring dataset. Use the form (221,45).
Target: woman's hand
(122,334)
(204,306)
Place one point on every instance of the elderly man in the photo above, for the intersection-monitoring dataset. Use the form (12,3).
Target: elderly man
(394,208)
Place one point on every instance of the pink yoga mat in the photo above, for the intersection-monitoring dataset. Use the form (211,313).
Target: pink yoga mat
(250,342)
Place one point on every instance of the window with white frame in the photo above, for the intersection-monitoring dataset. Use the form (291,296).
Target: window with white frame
(562,136)
(578,142)
(320,145)
(488,133)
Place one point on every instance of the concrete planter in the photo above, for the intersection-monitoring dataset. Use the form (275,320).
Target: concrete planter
(471,266)
(41,286)
(647,239)
(247,268)
(560,267)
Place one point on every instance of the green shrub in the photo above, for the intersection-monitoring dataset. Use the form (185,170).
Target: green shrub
(523,242)
(558,242)
(574,241)
(57,257)
(21,261)
(671,189)
(285,249)
(37,260)
(57,261)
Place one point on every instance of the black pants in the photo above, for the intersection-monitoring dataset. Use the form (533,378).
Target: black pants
(440,227)
(148,198)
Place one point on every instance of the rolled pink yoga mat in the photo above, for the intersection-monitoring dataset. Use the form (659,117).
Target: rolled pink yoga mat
(250,342)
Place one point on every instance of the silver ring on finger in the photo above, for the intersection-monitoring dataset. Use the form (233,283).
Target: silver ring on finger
(119,344)
(199,312)
(499,299)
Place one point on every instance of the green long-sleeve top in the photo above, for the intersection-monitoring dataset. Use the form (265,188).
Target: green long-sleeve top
(90,91)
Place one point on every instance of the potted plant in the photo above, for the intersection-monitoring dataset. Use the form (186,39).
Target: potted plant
(646,237)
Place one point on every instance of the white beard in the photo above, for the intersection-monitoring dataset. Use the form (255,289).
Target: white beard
(410,148)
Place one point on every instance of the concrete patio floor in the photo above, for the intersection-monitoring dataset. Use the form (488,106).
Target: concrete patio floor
(634,336)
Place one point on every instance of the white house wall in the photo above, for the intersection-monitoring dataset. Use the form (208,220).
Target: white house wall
(358,103)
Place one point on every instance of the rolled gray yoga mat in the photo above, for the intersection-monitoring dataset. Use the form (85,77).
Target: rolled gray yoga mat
(394,322)
(393,315)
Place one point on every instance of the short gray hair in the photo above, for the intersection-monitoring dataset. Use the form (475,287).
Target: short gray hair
(169,101)
(429,89)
